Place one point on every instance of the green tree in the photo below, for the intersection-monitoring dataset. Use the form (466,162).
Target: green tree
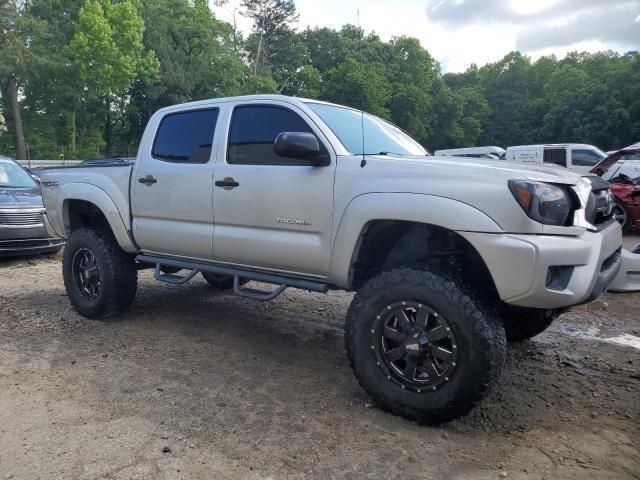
(359,85)
(107,54)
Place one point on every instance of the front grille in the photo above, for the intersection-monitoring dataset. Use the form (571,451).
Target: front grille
(20,219)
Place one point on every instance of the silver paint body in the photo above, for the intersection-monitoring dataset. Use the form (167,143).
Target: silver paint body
(327,209)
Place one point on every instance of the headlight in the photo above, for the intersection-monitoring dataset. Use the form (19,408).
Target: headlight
(542,202)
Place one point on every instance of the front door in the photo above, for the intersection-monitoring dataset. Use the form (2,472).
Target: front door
(172,187)
(272,212)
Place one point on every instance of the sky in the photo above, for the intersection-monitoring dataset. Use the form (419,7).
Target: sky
(461,32)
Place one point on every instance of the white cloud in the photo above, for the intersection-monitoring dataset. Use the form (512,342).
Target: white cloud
(461,32)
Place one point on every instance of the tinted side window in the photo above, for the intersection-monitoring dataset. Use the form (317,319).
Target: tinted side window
(186,136)
(254,130)
(584,158)
(557,156)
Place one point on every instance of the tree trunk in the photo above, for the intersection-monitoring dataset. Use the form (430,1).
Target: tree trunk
(74,132)
(12,90)
(107,130)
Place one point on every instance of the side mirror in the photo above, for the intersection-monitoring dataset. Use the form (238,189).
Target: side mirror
(299,145)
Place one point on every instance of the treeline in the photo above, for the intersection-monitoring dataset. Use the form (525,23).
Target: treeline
(80,78)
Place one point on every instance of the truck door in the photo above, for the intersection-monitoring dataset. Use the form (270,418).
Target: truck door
(172,186)
(271,212)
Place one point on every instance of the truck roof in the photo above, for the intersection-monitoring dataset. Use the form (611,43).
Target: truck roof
(579,145)
(282,98)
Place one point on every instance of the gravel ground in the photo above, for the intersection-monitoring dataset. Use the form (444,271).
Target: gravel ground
(190,383)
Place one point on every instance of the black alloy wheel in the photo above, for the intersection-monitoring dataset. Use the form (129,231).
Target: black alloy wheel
(414,345)
(86,273)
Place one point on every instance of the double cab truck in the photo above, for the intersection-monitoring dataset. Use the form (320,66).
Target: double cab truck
(450,258)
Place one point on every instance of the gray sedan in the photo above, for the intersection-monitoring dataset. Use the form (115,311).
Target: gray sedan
(21,229)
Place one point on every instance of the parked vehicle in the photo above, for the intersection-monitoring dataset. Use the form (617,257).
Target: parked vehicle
(491,153)
(622,170)
(449,258)
(574,156)
(22,230)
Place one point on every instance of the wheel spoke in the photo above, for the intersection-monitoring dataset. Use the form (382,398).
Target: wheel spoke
(422,317)
(442,354)
(430,368)
(403,321)
(437,333)
(394,335)
(395,354)
(410,368)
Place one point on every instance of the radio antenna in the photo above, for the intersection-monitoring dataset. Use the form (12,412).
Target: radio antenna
(364,160)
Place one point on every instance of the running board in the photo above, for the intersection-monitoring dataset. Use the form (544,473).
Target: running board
(282,282)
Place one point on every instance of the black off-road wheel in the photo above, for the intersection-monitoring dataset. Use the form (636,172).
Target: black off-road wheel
(101,279)
(521,324)
(221,282)
(424,346)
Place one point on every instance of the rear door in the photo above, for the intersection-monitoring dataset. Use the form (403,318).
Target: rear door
(172,196)
(272,212)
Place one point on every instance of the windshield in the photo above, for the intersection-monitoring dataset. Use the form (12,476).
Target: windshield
(378,137)
(13,176)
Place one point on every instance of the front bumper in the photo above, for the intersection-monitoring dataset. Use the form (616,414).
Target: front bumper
(520,265)
(27,240)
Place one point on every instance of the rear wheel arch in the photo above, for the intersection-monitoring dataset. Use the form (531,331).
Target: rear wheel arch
(97,212)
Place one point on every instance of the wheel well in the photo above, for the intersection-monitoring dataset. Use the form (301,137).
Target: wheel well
(389,244)
(83,214)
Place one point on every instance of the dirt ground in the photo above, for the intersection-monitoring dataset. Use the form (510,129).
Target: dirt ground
(194,384)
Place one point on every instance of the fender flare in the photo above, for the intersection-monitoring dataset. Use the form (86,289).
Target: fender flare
(428,209)
(98,197)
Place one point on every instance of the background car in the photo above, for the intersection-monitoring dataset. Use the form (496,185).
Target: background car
(622,170)
(21,213)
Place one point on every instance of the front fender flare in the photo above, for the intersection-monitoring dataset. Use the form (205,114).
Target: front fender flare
(428,209)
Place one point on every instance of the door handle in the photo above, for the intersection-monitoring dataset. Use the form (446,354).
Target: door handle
(148,180)
(228,183)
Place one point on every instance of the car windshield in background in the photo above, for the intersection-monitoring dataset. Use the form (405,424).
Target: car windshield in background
(380,136)
(13,176)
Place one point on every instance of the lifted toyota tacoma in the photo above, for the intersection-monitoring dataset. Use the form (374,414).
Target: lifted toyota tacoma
(449,258)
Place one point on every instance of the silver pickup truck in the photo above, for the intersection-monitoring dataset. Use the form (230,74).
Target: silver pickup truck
(450,258)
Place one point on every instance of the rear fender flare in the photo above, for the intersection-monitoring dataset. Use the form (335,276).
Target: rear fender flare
(98,197)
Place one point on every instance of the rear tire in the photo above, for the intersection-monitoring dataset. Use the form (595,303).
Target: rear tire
(524,323)
(101,279)
(221,282)
(459,352)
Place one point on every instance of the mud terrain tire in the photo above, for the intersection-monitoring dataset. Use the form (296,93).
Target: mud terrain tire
(475,327)
(101,279)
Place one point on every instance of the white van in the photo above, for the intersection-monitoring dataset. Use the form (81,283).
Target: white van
(490,153)
(575,156)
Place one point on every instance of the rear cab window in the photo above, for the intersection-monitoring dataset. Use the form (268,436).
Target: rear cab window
(254,129)
(186,137)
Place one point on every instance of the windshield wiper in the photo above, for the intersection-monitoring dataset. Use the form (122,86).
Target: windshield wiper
(383,153)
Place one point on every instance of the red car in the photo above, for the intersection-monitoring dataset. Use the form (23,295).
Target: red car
(622,170)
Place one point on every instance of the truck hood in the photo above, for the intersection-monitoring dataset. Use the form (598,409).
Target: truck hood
(496,170)
(20,198)
(483,184)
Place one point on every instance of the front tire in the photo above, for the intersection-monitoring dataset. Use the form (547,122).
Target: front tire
(101,279)
(521,324)
(422,345)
